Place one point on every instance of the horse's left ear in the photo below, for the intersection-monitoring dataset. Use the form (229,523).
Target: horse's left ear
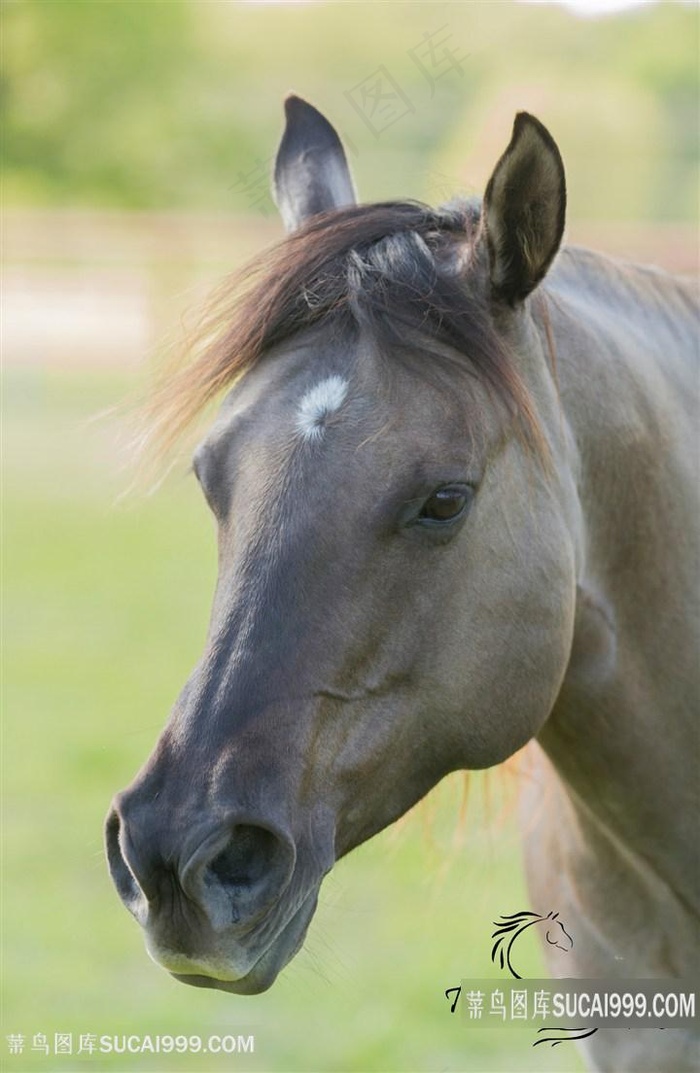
(524,210)
(311,170)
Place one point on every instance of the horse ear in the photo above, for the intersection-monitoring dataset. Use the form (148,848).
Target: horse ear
(311,171)
(524,210)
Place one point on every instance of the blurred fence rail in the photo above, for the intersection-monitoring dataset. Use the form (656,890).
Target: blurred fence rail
(103,288)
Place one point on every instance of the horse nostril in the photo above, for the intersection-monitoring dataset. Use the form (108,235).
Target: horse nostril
(244,877)
(124,880)
(247,858)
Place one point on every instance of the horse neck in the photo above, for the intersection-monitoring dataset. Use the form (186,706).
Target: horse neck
(621,737)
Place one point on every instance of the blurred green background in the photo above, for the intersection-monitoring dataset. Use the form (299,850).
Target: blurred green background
(137,145)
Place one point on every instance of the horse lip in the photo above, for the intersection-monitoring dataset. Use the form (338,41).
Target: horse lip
(250,984)
(263,973)
(233,987)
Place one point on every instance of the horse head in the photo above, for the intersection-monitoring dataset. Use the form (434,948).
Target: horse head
(395,519)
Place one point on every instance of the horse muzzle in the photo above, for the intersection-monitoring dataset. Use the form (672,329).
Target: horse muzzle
(226,906)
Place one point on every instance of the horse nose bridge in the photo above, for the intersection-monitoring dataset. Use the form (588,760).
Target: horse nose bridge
(242,759)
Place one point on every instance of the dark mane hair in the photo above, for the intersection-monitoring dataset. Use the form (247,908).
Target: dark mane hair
(387,268)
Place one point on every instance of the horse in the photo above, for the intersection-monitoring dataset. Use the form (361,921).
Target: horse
(455,488)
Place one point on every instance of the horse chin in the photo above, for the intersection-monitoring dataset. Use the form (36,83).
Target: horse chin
(267,968)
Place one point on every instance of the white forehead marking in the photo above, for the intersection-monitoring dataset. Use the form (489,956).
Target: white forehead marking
(319,401)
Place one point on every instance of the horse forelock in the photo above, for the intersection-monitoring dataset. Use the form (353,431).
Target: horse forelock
(393,270)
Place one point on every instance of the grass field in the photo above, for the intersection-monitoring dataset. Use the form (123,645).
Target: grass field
(105,611)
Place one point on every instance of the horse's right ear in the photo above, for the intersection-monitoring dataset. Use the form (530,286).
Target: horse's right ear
(311,171)
(524,210)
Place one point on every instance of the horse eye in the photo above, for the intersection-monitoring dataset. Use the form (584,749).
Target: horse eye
(446,504)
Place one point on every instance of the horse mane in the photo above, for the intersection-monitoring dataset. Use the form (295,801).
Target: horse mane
(385,268)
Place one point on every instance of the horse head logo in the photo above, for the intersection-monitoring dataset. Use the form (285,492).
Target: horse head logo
(510,927)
